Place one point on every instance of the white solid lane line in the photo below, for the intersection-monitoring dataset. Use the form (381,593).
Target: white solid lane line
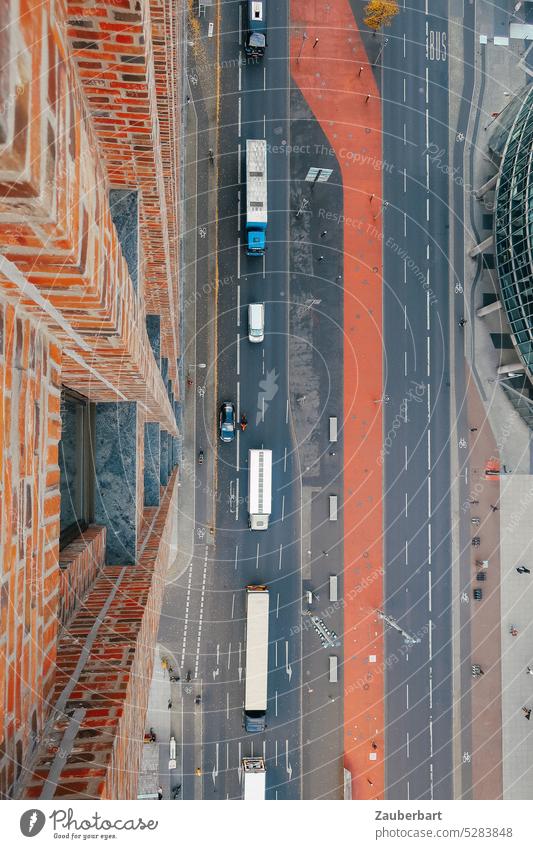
(429,590)
(238,257)
(405,462)
(404,87)
(283,508)
(264,78)
(405,363)
(286,416)
(405,318)
(238,354)
(407,696)
(428,356)
(429,449)
(236,555)
(406,553)
(429,494)
(280,550)
(238,304)
(240,75)
(427,85)
(429,543)
(407,743)
(257,557)
(285,461)
(428,319)
(232,605)
(237,500)
(406,504)
(239,120)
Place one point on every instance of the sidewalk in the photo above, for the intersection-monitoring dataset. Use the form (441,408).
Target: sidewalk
(498,730)
(325,66)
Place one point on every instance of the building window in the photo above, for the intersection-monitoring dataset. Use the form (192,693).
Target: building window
(76,465)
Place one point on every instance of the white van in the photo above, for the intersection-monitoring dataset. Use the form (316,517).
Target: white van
(333,676)
(256,322)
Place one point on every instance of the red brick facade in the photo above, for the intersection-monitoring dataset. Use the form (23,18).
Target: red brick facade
(88,103)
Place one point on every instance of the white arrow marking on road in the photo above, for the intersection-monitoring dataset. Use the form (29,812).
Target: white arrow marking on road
(215,768)
(288,766)
(288,667)
(216,673)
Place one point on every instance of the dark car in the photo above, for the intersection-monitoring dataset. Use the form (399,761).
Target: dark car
(227,422)
(481,576)
(478,594)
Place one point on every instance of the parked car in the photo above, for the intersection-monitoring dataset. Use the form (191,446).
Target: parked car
(478,594)
(227,422)
(481,576)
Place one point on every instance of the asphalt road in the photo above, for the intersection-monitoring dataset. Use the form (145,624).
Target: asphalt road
(417,413)
(254,104)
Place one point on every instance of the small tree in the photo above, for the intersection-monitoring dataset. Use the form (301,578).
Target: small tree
(379,13)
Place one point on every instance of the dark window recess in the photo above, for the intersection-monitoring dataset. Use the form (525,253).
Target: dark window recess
(76,466)
(488,260)
(501,340)
(488,221)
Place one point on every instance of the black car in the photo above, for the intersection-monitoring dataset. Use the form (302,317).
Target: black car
(478,594)
(481,576)
(226,422)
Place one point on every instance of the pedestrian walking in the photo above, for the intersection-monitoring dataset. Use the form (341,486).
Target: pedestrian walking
(462,322)
(325,553)
(374,745)
(321,258)
(316,42)
(159,792)
(169,704)
(370,782)
(494,508)
(522,570)
(529,671)
(323,233)
(527,712)
(473,429)
(513,632)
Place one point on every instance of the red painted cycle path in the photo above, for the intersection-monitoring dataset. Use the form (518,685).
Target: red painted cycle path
(345,101)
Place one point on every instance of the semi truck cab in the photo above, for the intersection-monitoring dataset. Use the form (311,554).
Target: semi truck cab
(255,28)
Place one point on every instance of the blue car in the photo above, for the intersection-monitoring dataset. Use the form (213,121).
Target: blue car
(227,422)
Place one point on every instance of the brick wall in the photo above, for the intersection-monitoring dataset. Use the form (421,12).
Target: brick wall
(70,314)
(79,564)
(29,530)
(126,57)
(111,690)
(62,258)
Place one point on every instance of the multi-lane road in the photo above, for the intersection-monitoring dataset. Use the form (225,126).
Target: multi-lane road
(253,104)
(417,413)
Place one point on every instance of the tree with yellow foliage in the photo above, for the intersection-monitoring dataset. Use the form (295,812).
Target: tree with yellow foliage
(379,13)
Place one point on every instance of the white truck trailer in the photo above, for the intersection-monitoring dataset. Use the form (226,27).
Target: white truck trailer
(256,197)
(255,686)
(259,488)
(254,779)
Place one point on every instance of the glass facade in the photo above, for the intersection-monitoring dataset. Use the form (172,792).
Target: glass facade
(513,229)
